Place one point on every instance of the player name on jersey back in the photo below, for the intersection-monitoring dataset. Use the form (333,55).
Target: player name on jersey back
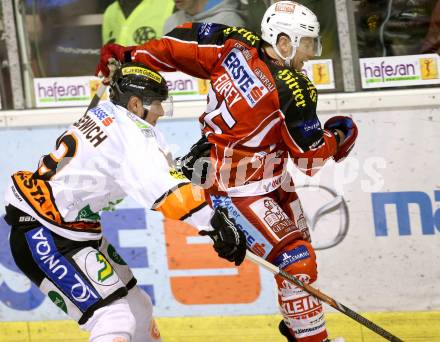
(90,129)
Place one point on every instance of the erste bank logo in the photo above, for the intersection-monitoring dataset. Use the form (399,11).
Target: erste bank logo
(245,80)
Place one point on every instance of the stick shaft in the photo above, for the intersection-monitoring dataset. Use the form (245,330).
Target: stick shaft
(327,299)
(97,97)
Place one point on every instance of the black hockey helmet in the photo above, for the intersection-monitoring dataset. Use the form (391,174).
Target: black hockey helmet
(135,79)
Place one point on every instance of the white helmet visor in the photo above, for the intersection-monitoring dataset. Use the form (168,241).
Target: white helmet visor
(310,46)
(167,104)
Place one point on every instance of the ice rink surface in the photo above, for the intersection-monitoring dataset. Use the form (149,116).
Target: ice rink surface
(409,326)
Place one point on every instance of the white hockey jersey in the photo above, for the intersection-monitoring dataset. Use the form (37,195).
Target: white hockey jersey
(107,154)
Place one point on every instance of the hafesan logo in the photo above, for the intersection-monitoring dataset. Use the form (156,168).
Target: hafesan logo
(399,70)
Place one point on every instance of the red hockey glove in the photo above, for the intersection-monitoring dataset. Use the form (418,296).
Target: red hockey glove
(118,52)
(349,128)
(229,240)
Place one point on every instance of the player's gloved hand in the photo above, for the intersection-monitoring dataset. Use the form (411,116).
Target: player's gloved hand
(349,128)
(191,165)
(109,54)
(229,240)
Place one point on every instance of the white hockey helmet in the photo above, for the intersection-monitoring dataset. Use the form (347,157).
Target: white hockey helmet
(294,20)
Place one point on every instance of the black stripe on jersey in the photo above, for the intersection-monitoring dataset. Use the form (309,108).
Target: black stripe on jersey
(215,34)
(166,194)
(192,211)
(202,33)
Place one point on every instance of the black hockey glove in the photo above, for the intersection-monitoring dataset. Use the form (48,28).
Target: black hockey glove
(196,163)
(229,240)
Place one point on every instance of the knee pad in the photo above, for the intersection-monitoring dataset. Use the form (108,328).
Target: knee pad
(112,323)
(298,258)
(142,309)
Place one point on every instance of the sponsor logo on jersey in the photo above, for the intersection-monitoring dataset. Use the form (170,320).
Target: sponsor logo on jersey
(37,194)
(263,78)
(256,242)
(102,116)
(312,330)
(91,130)
(88,215)
(273,217)
(26,218)
(146,129)
(273,184)
(311,125)
(249,36)
(245,50)
(99,269)
(16,194)
(112,204)
(292,80)
(245,80)
(304,307)
(311,128)
(176,174)
(115,255)
(298,214)
(80,291)
(58,300)
(292,83)
(206,30)
(290,257)
(258,249)
(59,270)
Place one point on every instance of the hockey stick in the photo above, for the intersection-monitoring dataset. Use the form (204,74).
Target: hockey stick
(112,65)
(318,294)
(97,97)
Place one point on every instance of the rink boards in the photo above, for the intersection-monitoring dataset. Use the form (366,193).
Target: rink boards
(378,245)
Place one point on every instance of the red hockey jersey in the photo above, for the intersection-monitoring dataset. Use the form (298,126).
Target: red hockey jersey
(258,114)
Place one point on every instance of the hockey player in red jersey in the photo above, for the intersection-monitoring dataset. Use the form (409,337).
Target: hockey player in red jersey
(261,111)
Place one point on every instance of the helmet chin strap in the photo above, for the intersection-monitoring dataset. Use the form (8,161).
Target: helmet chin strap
(144,117)
(287,60)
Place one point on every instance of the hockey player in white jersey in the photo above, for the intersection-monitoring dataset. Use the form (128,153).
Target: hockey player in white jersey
(56,237)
